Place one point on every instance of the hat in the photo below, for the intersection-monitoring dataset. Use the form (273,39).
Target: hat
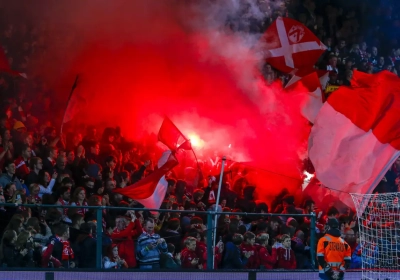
(18,125)
(333,223)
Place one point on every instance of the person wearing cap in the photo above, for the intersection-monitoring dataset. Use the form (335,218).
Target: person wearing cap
(334,254)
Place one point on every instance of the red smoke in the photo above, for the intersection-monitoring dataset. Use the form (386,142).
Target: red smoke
(140,61)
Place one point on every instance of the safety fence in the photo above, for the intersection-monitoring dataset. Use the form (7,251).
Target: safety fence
(210,219)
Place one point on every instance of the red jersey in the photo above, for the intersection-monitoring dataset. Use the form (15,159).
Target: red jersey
(286,258)
(253,262)
(124,240)
(266,259)
(187,257)
(201,249)
(22,169)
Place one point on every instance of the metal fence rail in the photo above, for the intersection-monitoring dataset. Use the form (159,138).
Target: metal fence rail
(210,216)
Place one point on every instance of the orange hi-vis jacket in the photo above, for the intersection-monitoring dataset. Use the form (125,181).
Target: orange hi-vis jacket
(335,251)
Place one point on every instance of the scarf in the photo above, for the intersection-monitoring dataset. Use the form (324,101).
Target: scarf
(65,210)
(67,252)
(82,211)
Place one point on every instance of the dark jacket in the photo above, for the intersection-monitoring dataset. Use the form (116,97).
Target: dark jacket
(168,262)
(232,257)
(87,252)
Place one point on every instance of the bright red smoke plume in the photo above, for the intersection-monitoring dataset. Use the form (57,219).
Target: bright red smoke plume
(141,60)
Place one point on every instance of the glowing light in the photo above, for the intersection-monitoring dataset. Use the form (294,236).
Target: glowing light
(230,145)
(307,179)
(196,141)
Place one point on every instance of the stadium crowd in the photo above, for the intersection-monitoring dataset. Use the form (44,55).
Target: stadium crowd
(40,166)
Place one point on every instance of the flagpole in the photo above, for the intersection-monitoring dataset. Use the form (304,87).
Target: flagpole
(198,165)
(69,99)
(216,208)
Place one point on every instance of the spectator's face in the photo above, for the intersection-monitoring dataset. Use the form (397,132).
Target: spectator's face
(90,185)
(27,153)
(95,150)
(29,140)
(67,195)
(36,190)
(81,195)
(7,135)
(149,227)
(381,60)
(333,61)
(46,177)
(223,203)
(374,51)
(120,223)
(342,44)
(363,46)
(54,154)
(62,163)
(71,156)
(191,246)
(251,241)
(11,169)
(115,252)
(274,226)
(286,243)
(110,185)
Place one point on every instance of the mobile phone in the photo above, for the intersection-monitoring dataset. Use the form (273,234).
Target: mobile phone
(18,197)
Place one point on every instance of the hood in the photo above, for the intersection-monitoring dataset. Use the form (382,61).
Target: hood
(334,232)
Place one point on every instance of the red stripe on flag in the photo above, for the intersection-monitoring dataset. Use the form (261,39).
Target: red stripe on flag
(170,135)
(372,102)
(145,188)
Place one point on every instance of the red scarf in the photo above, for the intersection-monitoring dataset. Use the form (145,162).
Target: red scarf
(67,252)
(82,211)
(63,203)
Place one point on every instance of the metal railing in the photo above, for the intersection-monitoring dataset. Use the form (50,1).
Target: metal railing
(210,216)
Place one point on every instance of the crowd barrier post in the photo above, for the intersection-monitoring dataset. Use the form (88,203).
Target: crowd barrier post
(99,236)
(210,253)
(312,241)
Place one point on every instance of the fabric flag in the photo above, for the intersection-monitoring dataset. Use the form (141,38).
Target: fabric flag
(5,66)
(171,136)
(323,76)
(356,136)
(151,190)
(290,45)
(313,102)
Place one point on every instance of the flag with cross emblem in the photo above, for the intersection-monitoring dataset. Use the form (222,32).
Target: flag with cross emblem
(290,45)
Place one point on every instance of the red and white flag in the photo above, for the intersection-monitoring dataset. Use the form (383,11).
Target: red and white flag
(323,76)
(313,101)
(151,190)
(5,66)
(172,137)
(291,45)
(356,136)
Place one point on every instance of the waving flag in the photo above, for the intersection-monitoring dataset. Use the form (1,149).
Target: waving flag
(311,86)
(323,76)
(171,136)
(356,136)
(290,45)
(151,190)
(5,66)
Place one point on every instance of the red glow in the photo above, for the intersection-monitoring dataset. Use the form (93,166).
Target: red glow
(136,68)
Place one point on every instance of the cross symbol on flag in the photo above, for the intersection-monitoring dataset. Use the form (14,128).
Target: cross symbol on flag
(282,57)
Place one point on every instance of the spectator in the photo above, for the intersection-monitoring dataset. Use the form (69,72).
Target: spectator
(189,257)
(233,258)
(149,247)
(112,260)
(286,257)
(124,235)
(168,261)
(9,175)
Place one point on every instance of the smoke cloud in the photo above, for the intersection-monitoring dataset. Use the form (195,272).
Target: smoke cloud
(141,60)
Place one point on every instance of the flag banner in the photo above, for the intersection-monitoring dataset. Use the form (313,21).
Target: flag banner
(356,135)
(151,190)
(171,136)
(290,45)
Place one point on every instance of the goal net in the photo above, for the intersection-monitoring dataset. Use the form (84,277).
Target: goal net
(379,235)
